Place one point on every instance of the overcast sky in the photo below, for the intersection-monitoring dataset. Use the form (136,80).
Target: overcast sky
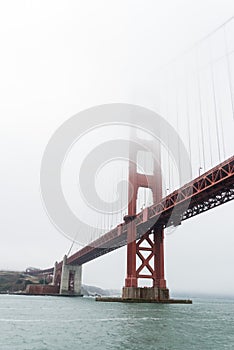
(60,57)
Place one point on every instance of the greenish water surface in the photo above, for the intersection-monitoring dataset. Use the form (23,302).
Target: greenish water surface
(49,323)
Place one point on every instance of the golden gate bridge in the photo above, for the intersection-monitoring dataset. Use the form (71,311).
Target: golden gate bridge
(196,94)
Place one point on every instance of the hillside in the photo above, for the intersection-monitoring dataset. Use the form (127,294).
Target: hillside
(15,281)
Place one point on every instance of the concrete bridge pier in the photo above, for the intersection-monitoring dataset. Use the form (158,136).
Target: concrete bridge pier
(70,279)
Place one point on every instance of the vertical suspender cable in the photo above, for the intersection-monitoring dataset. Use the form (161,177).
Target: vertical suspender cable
(120,212)
(108,216)
(228,70)
(222,132)
(209,133)
(177,125)
(197,125)
(168,138)
(107,209)
(188,112)
(215,105)
(200,111)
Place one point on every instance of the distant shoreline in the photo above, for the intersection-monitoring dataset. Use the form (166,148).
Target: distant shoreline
(10,283)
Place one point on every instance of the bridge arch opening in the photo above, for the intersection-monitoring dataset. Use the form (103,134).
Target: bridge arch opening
(144,198)
(145,163)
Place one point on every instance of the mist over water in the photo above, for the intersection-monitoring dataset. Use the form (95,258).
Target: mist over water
(41,323)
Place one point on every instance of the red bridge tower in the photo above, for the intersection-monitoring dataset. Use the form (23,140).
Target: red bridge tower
(150,247)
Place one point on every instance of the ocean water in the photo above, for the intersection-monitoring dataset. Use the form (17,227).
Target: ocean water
(54,323)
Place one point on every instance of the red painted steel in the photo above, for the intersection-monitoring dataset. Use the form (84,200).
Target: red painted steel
(39,289)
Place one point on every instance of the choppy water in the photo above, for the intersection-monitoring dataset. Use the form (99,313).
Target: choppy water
(41,323)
